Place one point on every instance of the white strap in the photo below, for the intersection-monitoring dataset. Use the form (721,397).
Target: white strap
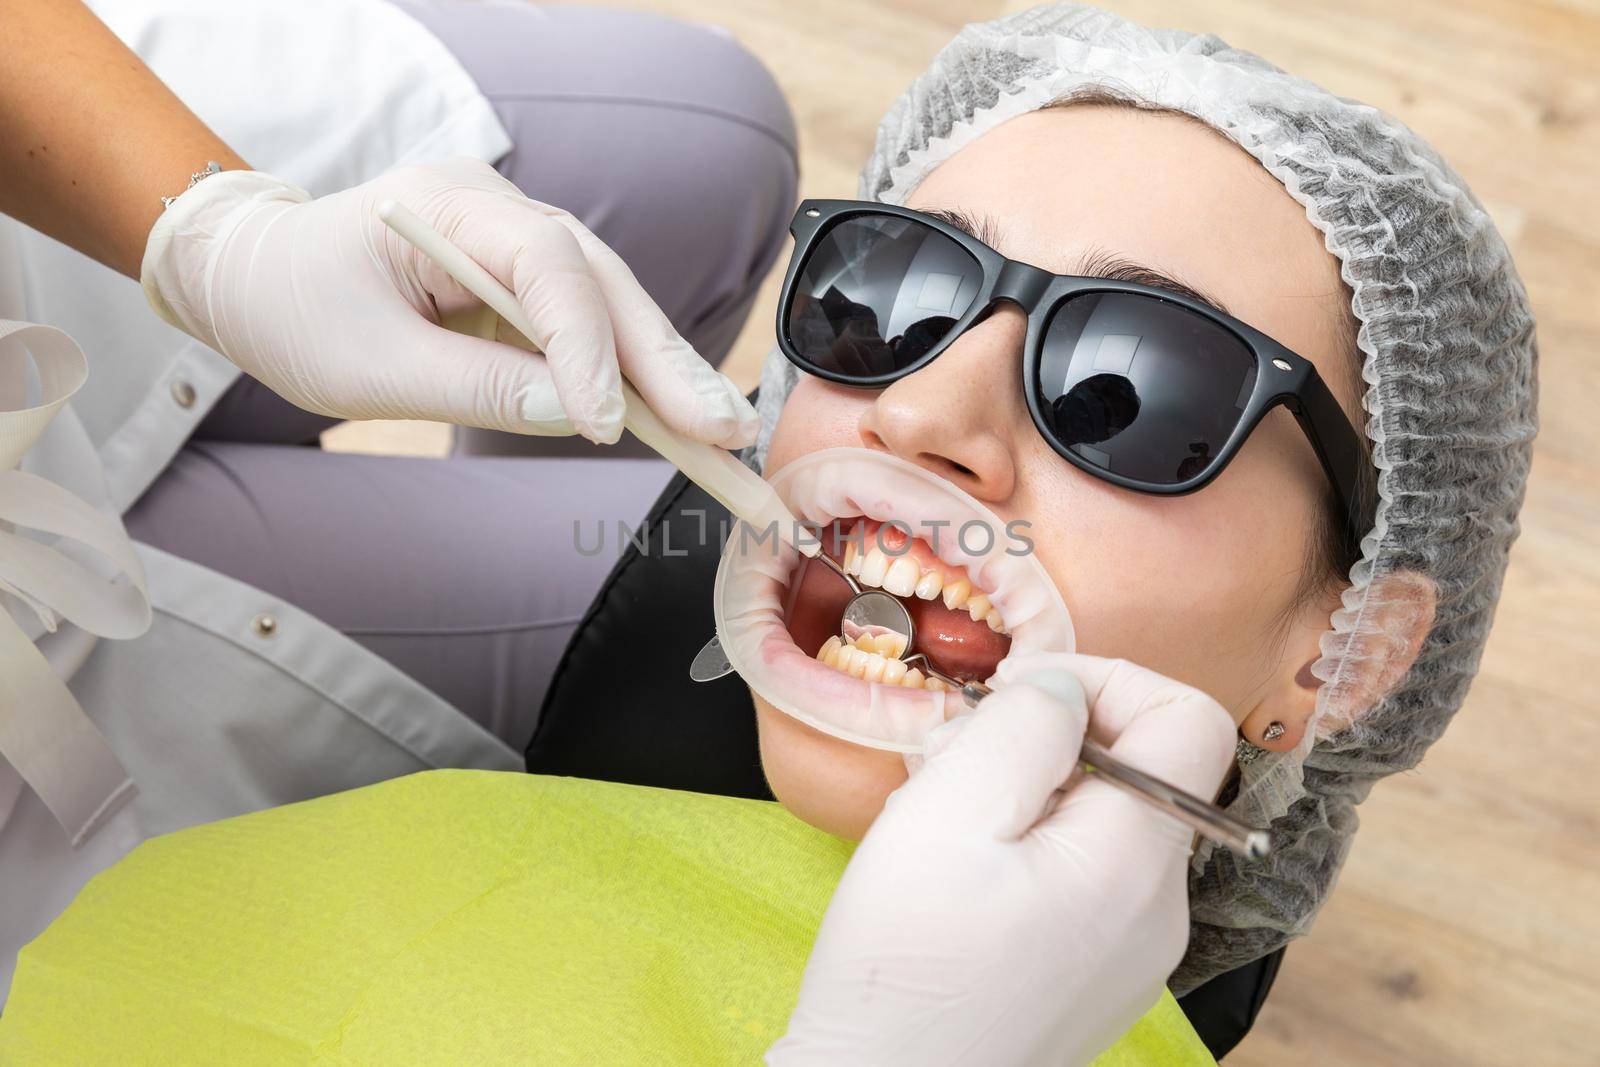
(44,734)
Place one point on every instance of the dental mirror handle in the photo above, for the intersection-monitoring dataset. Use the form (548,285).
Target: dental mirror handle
(1203,818)
(738,488)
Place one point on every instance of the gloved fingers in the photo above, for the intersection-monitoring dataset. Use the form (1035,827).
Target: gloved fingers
(1143,713)
(991,773)
(1149,721)
(686,391)
(562,299)
(1188,744)
(542,263)
(475,382)
(747,424)
(1118,691)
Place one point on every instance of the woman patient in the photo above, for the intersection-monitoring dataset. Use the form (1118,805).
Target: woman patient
(1332,583)
(1228,589)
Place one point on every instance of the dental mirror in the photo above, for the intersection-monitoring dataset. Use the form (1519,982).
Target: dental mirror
(875,611)
(872,610)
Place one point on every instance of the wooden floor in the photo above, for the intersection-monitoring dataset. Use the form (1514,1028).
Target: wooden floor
(1466,927)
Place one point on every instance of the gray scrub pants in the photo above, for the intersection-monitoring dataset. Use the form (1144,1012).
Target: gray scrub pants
(671,143)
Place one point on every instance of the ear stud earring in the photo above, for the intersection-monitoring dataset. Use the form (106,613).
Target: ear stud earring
(1248,752)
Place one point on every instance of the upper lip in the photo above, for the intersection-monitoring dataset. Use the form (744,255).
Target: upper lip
(940,529)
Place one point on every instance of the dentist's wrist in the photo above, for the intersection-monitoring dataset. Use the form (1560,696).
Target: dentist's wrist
(211,168)
(175,271)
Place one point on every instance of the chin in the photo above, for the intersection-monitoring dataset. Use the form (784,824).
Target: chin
(834,785)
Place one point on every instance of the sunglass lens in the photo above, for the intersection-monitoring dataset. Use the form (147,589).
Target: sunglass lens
(876,293)
(1142,387)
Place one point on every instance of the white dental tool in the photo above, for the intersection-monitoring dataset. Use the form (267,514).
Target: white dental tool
(738,488)
(751,498)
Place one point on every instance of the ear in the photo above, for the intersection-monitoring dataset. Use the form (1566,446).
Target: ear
(1396,619)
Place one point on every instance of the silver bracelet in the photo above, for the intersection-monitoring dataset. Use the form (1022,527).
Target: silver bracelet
(213,167)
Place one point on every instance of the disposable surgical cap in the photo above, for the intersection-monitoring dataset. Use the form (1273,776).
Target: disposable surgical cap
(1448,356)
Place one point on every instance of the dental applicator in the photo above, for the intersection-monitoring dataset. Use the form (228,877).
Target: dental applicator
(754,500)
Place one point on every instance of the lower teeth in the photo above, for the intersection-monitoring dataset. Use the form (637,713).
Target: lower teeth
(876,659)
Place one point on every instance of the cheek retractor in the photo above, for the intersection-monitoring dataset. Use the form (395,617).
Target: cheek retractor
(752,583)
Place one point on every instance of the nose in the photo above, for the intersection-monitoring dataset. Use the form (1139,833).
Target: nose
(957,416)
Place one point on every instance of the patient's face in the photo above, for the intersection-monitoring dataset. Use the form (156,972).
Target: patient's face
(1202,587)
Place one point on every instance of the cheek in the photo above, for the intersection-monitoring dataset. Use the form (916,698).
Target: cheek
(831,784)
(817,415)
(1190,586)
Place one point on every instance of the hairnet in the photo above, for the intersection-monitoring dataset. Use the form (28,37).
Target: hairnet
(1448,351)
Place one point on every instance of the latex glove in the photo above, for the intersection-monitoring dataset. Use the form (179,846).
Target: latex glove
(987,919)
(332,310)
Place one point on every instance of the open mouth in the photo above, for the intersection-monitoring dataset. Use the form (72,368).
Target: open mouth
(954,623)
(975,595)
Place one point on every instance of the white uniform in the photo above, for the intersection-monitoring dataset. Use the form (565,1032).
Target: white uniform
(214,712)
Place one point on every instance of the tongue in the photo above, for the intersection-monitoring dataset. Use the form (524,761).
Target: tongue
(965,649)
(953,642)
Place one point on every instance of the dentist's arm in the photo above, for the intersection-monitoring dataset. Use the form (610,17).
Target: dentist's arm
(90,139)
(984,920)
(317,298)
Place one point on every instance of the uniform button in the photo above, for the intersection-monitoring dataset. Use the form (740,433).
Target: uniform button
(264,625)
(183,393)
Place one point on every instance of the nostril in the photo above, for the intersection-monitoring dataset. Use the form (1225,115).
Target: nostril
(871,439)
(946,467)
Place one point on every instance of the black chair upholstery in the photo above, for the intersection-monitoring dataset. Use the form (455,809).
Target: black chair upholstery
(621,708)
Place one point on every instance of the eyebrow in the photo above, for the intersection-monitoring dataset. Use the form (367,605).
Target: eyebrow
(1094,263)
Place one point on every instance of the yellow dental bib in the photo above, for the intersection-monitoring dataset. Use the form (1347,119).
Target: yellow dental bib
(453,917)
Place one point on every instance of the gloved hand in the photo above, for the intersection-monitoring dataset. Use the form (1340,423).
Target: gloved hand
(987,919)
(336,313)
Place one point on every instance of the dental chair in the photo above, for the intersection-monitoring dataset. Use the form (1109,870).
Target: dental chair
(621,708)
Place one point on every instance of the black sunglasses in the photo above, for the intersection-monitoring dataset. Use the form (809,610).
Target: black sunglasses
(1140,386)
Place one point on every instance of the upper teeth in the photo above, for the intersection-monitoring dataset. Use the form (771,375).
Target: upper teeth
(901,576)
